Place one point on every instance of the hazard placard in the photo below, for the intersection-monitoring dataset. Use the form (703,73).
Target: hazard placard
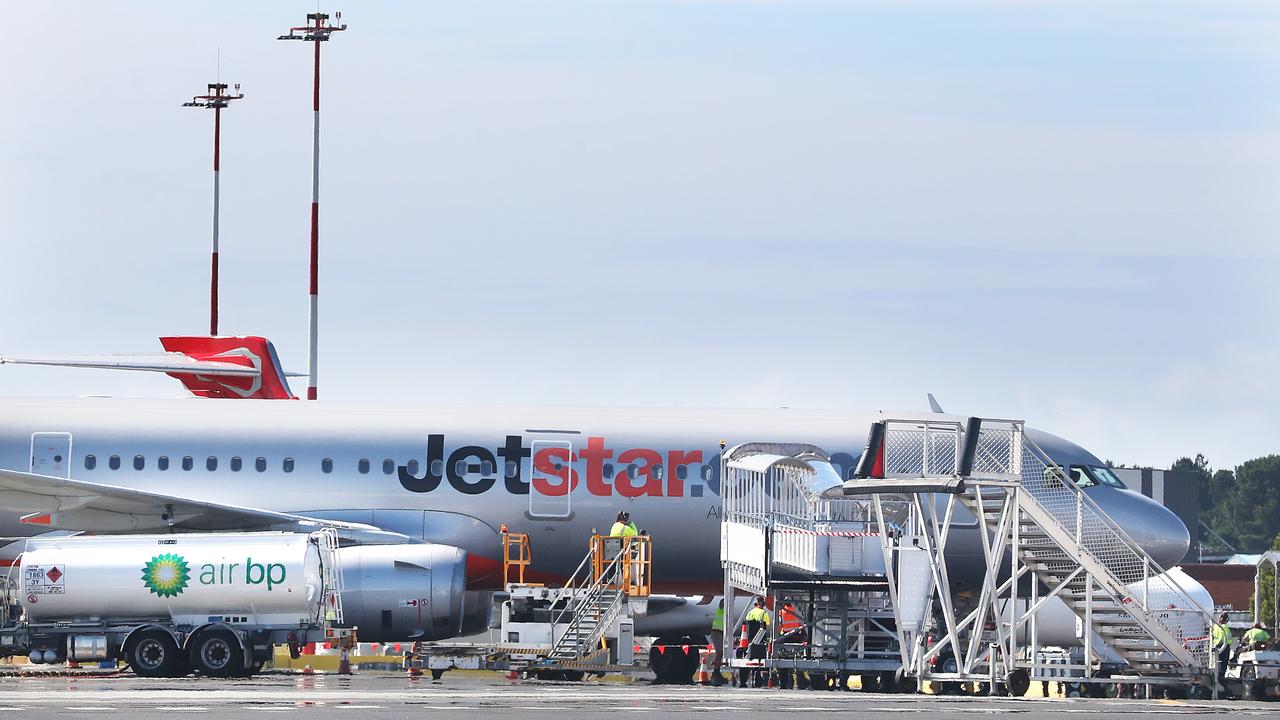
(45,579)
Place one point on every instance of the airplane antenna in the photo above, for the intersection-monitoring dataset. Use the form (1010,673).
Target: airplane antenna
(216,99)
(316,31)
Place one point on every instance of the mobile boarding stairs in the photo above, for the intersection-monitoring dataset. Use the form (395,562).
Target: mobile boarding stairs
(586,625)
(865,561)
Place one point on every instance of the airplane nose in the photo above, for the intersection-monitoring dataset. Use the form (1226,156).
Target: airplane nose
(1157,530)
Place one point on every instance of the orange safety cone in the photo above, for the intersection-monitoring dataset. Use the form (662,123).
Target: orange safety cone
(344,662)
(704,667)
(415,671)
(306,670)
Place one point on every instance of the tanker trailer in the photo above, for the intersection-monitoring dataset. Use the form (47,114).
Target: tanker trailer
(169,604)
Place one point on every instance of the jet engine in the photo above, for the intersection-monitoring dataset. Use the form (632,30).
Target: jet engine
(404,592)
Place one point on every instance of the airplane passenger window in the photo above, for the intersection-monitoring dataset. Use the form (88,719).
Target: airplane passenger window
(114,462)
(326,465)
(706,472)
(412,467)
(211,463)
(162,462)
(682,471)
(631,471)
(656,472)
(486,468)
(187,462)
(235,464)
(437,467)
(460,467)
(388,466)
(287,465)
(90,462)
(363,466)
(512,468)
(608,471)
(260,464)
(139,462)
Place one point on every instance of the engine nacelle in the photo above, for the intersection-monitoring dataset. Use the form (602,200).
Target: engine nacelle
(404,592)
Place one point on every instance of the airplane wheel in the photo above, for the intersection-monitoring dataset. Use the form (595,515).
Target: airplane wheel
(153,654)
(871,683)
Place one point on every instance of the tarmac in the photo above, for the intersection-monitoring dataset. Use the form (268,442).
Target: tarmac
(483,696)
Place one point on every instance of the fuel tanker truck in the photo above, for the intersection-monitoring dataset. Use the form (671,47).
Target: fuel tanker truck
(170,604)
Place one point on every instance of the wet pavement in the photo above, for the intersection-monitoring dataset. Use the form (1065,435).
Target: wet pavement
(480,697)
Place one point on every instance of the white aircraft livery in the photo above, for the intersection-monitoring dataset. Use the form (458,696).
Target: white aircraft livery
(421,490)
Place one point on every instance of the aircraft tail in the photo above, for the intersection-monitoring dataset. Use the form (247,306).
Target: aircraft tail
(249,351)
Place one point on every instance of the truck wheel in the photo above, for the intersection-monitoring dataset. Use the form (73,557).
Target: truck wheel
(1253,688)
(1018,682)
(153,654)
(218,654)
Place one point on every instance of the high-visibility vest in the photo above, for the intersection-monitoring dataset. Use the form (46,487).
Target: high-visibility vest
(788,620)
(717,623)
(1221,635)
(1256,635)
(758,614)
(621,529)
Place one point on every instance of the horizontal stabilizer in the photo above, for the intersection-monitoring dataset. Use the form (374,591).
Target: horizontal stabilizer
(147,362)
(265,380)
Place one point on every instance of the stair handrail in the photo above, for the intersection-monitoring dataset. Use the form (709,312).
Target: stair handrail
(1087,512)
(591,598)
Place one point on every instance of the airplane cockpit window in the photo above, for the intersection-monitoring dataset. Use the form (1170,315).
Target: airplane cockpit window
(90,462)
(363,466)
(211,463)
(235,464)
(260,464)
(1092,475)
(326,465)
(287,465)
(388,466)
(139,462)
(1104,476)
(187,462)
(114,462)
(162,462)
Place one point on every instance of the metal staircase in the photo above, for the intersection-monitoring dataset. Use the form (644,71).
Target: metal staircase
(600,588)
(1030,508)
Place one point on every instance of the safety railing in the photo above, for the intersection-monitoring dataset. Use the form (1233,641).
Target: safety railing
(593,605)
(1137,580)
(634,576)
(330,575)
(517,555)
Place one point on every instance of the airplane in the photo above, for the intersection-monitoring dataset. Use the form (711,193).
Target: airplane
(422,490)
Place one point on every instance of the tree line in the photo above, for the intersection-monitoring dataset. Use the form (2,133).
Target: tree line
(1241,505)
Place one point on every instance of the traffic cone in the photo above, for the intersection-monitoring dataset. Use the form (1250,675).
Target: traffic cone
(415,671)
(306,670)
(344,662)
(704,669)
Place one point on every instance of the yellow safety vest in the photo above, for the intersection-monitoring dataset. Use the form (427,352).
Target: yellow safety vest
(1221,635)
(621,529)
(1256,635)
(718,622)
(758,614)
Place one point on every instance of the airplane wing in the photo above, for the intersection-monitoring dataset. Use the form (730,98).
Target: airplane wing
(53,503)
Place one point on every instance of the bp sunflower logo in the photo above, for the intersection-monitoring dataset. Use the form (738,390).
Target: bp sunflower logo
(166,575)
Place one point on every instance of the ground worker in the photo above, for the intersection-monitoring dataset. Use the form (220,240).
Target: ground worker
(1255,635)
(757,623)
(1221,635)
(623,527)
(716,639)
(790,624)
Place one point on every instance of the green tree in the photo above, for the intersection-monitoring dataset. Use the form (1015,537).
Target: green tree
(1254,504)
(1199,467)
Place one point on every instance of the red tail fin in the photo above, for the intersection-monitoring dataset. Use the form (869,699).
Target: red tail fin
(248,351)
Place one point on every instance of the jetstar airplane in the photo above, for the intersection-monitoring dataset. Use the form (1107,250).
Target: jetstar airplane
(423,489)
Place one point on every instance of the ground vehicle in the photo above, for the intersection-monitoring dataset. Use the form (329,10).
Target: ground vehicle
(1256,669)
(169,604)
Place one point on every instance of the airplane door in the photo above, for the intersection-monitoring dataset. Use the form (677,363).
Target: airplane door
(550,479)
(51,454)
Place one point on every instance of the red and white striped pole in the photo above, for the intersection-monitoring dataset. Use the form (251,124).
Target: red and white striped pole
(316,31)
(217,99)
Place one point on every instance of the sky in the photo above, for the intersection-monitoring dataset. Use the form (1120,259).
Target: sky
(1059,211)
